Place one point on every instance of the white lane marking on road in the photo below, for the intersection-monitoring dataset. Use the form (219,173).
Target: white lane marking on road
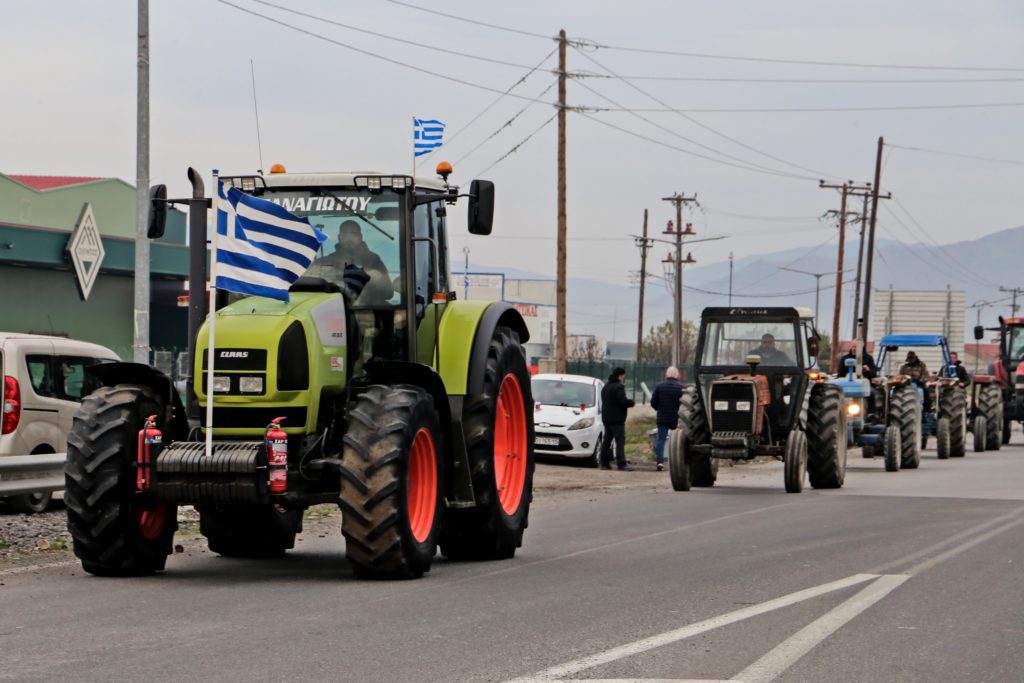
(803,641)
(963,547)
(645,644)
(36,567)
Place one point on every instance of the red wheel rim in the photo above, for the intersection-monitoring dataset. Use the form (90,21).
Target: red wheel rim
(510,447)
(421,485)
(151,521)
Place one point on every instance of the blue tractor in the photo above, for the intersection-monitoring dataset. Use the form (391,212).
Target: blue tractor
(883,416)
(945,405)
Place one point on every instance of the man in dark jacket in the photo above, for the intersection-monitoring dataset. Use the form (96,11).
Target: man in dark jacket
(613,414)
(665,400)
(958,369)
(868,370)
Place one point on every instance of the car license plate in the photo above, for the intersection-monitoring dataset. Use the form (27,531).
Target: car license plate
(545,441)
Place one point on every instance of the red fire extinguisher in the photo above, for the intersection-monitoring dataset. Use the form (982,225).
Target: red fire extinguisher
(277,456)
(150,440)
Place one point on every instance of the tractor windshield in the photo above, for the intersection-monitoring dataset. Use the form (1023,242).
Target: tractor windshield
(362,229)
(556,392)
(1015,343)
(729,343)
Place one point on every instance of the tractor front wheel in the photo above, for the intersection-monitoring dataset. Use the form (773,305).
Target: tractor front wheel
(795,461)
(892,445)
(392,482)
(115,531)
(703,470)
(990,404)
(942,438)
(679,470)
(980,429)
(498,428)
(953,406)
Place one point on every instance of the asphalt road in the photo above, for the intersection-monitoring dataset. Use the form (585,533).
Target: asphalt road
(909,576)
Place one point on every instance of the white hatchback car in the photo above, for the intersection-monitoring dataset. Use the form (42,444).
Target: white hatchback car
(567,418)
(44,381)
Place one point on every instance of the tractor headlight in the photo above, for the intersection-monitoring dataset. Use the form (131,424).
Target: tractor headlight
(250,385)
(721,405)
(743,406)
(221,384)
(582,423)
(853,409)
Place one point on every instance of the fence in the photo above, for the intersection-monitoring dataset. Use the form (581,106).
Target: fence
(26,474)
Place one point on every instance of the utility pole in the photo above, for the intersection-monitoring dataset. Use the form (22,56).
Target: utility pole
(140,337)
(871,237)
(644,245)
(1014,291)
(560,350)
(846,189)
(679,199)
(860,266)
(730,279)
(817,286)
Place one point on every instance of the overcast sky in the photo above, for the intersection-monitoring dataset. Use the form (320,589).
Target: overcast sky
(69,81)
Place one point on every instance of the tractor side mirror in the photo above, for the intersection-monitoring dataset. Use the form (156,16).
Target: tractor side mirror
(157,212)
(481,207)
(812,346)
(979,332)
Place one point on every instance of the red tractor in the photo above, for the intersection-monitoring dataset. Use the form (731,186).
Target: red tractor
(1008,374)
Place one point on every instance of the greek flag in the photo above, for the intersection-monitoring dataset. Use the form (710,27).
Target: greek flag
(261,248)
(426,135)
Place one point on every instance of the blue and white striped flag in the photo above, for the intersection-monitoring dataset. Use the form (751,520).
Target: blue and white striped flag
(261,248)
(426,135)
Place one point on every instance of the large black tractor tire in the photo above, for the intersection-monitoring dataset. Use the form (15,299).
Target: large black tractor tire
(392,482)
(826,437)
(703,470)
(795,461)
(954,406)
(905,414)
(892,446)
(679,470)
(990,404)
(250,531)
(980,431)
(498,428)
(114,530)
(1007,426)
(942,438)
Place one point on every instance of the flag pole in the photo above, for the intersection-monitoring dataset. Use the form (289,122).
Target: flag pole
(212,315)
(414,150)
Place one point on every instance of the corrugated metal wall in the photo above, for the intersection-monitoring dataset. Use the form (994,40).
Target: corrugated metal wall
(919,312)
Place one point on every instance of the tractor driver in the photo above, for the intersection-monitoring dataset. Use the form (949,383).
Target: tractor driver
(768,353)
(351,255)
(917,371)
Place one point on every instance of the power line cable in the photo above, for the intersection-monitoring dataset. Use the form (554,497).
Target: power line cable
(790,110)
(326,39)
(706,127)
(810,81)
(471,21)
(517,146)
(955,154)
(505,125)
(778,219)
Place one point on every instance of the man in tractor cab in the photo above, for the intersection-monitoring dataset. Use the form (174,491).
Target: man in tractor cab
(342,266)
(956,367)
(917,371)
(768,353)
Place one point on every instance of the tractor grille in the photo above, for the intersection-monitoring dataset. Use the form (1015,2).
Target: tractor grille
(733,406)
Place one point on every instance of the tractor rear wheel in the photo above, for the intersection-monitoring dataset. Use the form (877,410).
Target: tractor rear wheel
(942,438)
(892,445)
(905,413)
(990,404)
(498,428)
(392,482)
(826,437)
(980,430)
(703,470)
(249,531)
(115,531)
(954,406)
(795,461)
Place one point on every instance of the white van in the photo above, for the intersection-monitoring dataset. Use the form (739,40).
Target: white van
(44,381)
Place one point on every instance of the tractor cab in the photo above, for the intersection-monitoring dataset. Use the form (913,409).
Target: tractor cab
(752,367)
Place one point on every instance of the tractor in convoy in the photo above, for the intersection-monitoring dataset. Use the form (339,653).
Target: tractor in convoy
(373,389)
(1008,377)
(883,415)
(757,393)
(946,413)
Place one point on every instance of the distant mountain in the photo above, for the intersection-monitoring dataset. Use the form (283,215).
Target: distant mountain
(978,267)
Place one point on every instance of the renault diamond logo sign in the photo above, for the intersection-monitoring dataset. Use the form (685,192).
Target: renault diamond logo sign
(86,250)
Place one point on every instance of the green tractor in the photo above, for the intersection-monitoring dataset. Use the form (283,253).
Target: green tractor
(381,393)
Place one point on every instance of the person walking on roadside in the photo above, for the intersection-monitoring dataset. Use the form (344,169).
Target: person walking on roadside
(665,400)
(614,405)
